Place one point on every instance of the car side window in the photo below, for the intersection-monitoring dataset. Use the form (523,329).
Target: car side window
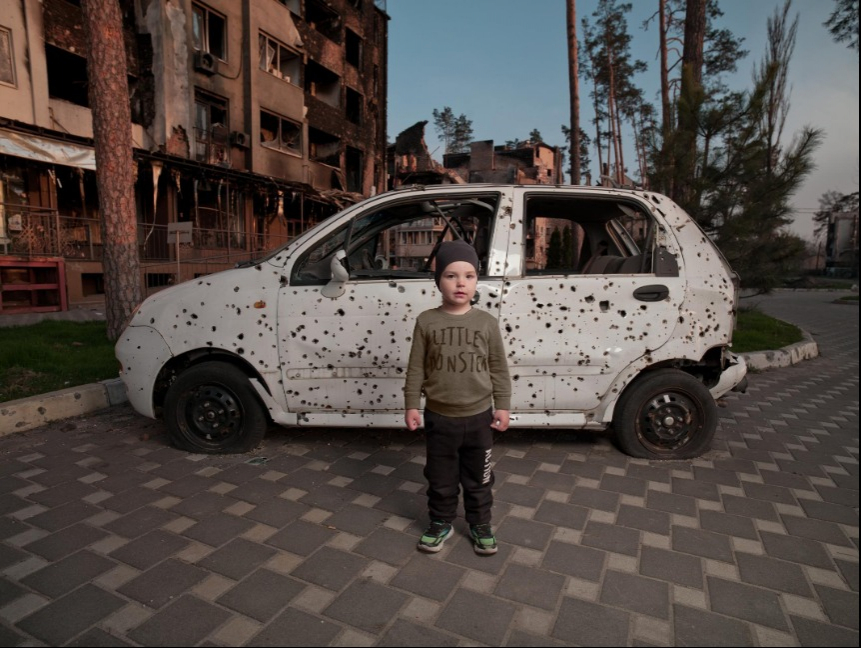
(400,239)
(584,235)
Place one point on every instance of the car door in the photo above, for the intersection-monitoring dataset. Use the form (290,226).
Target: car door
(584,299)
(346,315)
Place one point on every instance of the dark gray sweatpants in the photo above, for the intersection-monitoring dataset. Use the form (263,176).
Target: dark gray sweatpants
(459,454)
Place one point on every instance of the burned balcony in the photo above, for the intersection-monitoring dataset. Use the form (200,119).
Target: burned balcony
(323,84)
(324,148)
(323,19)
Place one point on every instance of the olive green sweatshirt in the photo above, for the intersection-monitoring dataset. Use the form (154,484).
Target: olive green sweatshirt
(459,362)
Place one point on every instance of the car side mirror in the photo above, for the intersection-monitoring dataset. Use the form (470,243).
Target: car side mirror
(335,288)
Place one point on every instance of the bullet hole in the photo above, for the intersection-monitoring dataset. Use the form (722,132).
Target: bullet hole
(589,299)
(604,306)
(236,289)
(240,336)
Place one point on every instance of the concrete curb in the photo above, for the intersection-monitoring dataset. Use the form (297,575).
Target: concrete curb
(788,355)
(28,413)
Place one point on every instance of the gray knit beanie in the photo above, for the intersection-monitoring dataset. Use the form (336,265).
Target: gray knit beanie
(451,251)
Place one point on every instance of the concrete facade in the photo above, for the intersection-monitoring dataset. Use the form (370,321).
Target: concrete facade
(252,120)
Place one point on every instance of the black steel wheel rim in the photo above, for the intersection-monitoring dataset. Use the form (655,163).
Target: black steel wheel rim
(212,414)
(668,421)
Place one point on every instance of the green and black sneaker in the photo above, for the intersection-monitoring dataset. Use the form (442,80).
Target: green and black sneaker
(433,538)
(483,540)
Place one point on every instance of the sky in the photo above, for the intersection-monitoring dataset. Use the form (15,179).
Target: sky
(504,65)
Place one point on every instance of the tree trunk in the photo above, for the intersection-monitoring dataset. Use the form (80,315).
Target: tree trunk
(692,75)
(666,116)
(109,99)
(611,108)
(641,165)
(621,149)
(695,32)
(598,130)
(574,88)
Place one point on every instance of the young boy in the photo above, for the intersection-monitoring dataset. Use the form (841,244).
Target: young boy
(458,360)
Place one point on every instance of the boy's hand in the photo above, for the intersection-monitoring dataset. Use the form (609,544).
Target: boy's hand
(500,420)
(413,419)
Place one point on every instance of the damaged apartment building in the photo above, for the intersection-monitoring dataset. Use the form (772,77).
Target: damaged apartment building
(251,121)
(409,162)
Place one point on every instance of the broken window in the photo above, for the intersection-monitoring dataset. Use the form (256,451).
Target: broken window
(586,236)
(211,131)
(324,148)
(322,83)
(209,31)
(399,240)
(355,170)
(280,133)
(293,5)
(354,106)
(353,48)
(7,63)
(279,60)
(323,19)
(67,76)
(216,208)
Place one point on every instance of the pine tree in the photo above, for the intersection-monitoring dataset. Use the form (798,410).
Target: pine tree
(455,131)
(752,175)
(721,52)
(843,23)
(107,72)
(611,70)
(585,160)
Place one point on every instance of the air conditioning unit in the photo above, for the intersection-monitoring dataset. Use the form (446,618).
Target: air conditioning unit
(240,139)
(205,62)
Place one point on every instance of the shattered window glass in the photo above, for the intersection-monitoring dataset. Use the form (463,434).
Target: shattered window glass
(7,67)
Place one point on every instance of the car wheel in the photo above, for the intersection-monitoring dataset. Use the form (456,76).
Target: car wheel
(666,414)
(212,408)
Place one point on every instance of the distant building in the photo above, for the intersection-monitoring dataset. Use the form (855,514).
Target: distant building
(250,120)
(410,163)
(529,163)
(841,245)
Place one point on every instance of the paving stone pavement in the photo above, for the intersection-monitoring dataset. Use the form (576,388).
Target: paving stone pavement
(108,536)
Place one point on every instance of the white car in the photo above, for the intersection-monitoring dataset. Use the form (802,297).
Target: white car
(615,308)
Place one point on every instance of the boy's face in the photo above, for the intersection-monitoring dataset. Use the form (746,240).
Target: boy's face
(457,285)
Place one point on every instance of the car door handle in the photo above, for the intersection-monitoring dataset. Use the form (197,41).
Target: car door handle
(652,293)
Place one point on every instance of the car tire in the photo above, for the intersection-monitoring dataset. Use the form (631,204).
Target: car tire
(665,414)
(211,408)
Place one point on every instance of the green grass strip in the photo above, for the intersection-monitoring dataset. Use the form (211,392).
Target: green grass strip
(53,355)
(756,331)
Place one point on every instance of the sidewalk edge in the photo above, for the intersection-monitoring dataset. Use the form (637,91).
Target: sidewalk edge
(28,413)
(788,355)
